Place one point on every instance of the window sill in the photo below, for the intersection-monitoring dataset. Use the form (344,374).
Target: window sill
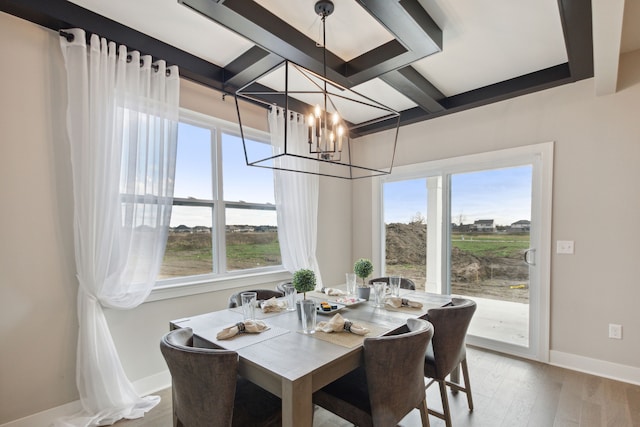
(195,287)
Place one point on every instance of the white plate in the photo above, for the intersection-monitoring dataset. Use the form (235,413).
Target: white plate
(338,306)
(347,301)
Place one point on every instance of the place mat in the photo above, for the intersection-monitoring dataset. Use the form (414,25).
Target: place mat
(347,339)
(412,310)
(260,315)
(240,340)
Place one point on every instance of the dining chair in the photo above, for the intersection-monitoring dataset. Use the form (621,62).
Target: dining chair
(404,282)
(206,388)
(280,286)
(447,351)
(261,295)
(389,386)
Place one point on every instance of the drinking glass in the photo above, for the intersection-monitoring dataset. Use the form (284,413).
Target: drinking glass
(394,285)
(308,316)
(249,300)
(351,283)
(379,290)
(290,295)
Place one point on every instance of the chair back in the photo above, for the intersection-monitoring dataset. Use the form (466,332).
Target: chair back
(203,380)
(404,282)
(262,295)
(280,286)
(450,324)
(394,366)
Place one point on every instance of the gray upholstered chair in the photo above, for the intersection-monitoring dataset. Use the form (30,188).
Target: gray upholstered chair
(262,295)
(207,390)
(404,282)
(280,286)
(389,386)
(447,350)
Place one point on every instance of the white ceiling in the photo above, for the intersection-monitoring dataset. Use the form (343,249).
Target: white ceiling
(484,41)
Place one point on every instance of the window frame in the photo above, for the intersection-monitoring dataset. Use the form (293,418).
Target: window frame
(219,278)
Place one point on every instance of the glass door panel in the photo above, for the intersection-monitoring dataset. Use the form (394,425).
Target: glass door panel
(489,240)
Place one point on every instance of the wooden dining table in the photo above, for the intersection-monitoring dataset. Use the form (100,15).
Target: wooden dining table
(293,365)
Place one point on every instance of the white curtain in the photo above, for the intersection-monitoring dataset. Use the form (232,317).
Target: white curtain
(122,118)
(296,195)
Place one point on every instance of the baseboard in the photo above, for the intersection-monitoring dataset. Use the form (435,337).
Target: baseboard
(143,387)
(601,368)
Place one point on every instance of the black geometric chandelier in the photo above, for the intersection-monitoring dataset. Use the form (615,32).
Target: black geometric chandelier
(312,120)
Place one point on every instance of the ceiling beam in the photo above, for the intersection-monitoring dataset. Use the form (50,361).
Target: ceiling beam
(416,36)
(61,14)
(415,87)
(607,35)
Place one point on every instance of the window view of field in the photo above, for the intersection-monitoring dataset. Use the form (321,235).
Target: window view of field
(485,264)
(189,250)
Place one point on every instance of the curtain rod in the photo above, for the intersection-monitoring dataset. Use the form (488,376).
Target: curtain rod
(70,37)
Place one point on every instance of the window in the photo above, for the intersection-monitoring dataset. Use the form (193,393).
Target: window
(223,220)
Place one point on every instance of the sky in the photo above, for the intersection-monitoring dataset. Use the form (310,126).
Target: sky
(503,195)
(240,182)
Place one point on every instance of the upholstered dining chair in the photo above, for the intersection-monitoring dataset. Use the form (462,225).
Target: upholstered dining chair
(404,282)
(447,350)
(389,386)
(262,295)
(206,388)
(280,286)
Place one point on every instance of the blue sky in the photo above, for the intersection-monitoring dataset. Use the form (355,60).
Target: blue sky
(499,194)
(503,195)
(240,182)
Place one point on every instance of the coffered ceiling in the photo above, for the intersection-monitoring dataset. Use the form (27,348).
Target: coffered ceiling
(424,58)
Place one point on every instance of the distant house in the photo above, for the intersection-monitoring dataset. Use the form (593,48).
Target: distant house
(201,229)
(484,225)
(182,229)
(522,225)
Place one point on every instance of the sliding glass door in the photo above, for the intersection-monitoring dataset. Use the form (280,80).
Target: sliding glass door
(477,227)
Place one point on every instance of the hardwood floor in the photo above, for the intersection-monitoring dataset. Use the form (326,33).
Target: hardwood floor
(507,392)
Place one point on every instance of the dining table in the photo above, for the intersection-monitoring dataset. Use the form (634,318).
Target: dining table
(293,365)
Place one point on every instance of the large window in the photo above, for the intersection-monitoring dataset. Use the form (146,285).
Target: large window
(223,220)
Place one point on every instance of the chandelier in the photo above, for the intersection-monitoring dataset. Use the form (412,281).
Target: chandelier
(312,121)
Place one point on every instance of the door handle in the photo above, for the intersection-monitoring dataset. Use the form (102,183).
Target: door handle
(529,256)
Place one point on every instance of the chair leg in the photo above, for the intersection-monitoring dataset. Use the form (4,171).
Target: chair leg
(445,403)
(424,414)
(467,384)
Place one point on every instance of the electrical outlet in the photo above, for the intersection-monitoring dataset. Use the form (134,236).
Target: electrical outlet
(615,331)
(564,247)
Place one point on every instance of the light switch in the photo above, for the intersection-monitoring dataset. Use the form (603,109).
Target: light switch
(564,247)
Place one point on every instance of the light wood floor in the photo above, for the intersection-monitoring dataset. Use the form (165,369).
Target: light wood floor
(507,392)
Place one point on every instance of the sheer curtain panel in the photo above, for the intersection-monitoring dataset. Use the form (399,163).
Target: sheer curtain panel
(122,119)
(296,196)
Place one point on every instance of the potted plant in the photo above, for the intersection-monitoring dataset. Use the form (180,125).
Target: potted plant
(363,268)
(304,280)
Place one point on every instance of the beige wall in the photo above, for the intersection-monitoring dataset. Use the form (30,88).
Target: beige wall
(37,269)
(596,203)
(596,199)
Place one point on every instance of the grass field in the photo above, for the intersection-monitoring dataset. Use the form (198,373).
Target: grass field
(491,245)
(192,253)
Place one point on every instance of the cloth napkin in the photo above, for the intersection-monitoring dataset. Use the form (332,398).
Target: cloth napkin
(339,324)
(248,326)
(333,292)
(273,305)
(397,302)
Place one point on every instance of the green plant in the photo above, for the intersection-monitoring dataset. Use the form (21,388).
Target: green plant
(304,280)
(363,268)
